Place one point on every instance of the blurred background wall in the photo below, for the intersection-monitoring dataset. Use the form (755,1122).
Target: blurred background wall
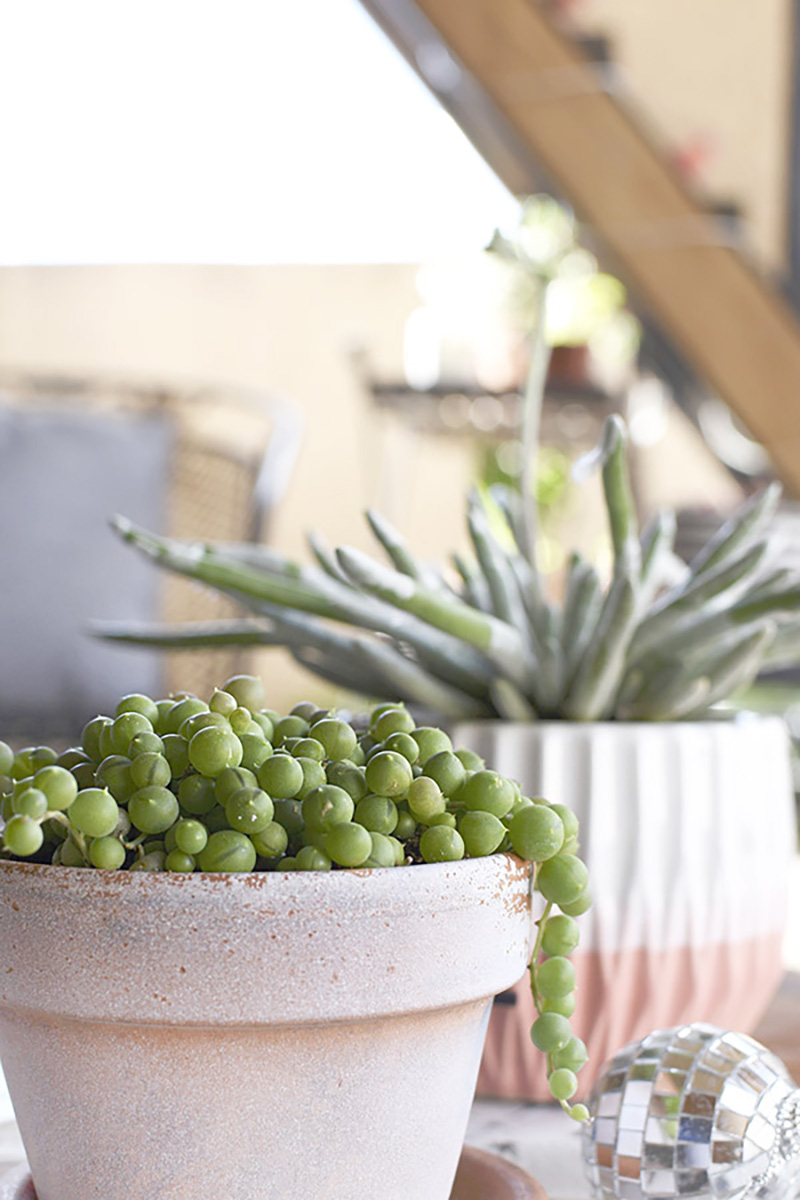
(285,329)
(293,330)
(280,329)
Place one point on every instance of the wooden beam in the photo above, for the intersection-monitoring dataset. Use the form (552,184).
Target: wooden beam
(737,332)
(793,216)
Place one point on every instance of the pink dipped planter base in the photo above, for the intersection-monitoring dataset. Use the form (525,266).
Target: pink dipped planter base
(688,830)
(625,996)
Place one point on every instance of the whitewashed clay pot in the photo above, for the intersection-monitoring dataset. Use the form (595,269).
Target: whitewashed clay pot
(479,1176)
(688,830)
(294,1036)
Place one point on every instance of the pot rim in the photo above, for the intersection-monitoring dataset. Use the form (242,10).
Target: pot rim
(721,721)
(164,947)
(262,880)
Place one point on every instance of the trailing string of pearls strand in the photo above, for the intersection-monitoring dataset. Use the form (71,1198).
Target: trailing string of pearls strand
(697,1112)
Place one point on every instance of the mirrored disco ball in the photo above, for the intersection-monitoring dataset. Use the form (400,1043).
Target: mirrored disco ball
(694,1111)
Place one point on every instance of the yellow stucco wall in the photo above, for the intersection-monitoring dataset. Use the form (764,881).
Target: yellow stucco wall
(283,328)
(289,329)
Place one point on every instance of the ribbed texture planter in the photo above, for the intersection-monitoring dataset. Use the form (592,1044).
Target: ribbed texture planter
(287,1037)
(688,831)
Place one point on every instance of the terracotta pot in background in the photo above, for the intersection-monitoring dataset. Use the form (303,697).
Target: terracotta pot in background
(294,1036)
(570,366)
(688,830)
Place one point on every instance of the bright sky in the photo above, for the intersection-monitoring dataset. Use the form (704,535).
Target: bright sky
(226,131)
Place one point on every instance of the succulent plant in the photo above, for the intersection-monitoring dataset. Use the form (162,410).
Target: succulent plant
(480,638)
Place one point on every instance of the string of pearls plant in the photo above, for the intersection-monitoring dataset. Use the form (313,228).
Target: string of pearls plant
(181,784)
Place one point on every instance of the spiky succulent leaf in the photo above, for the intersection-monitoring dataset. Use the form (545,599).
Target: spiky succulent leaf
(660,641)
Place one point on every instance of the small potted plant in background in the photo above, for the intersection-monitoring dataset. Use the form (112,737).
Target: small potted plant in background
(590,333)
(608,702)
(240,947)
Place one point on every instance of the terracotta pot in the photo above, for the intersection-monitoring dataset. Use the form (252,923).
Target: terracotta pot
(287,1036)
(688,830)
(569,366)
(479,1176)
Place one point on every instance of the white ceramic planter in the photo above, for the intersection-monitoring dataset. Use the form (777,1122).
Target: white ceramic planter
(290,1037)
(688,830)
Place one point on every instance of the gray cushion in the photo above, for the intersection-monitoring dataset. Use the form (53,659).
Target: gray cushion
(62,474)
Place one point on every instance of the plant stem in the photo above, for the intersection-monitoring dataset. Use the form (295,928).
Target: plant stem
(136,842)
(531,423)
(536,952)
(80,842)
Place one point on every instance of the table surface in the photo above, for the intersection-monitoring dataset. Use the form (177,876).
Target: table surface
(539,1138)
